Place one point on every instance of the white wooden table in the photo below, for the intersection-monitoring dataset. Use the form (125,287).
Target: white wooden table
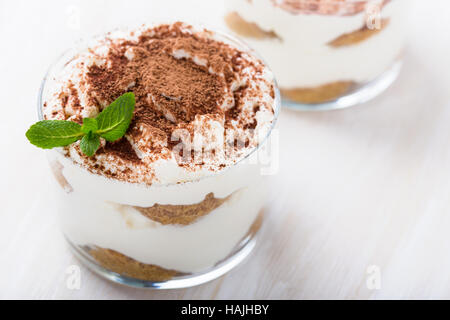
(359,192)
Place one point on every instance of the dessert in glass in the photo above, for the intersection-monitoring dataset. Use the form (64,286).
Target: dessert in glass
(176,201)
(325,54)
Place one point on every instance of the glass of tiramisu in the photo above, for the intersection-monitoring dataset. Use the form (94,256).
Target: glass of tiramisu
(177,200)
(325,54)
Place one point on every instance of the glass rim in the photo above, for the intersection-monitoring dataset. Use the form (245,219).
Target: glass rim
(237,43)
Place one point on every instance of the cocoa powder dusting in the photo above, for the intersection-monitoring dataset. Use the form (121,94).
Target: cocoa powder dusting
(181,79)
(121,148)
(170,91)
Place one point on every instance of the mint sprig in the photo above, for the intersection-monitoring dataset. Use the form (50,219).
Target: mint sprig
(110,124)
(90,143)
(113,121)
(89,124)
(48,134)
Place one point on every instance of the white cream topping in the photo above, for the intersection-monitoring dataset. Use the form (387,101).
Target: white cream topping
(155,167)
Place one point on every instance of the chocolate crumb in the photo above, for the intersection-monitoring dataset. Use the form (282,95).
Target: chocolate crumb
(121,148)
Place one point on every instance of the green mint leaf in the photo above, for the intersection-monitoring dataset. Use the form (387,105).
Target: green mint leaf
(89,124)
(111,124)
(90,143)
(49,134)
(114,120)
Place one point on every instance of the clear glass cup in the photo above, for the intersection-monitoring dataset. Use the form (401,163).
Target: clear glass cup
(108,232)
(326,54)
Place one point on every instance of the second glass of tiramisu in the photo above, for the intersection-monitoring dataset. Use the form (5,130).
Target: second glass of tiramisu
(177,201)
(325,54)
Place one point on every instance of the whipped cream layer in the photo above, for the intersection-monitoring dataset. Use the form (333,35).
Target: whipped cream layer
(242,97)
(97,211)
(114,224)
(301,56)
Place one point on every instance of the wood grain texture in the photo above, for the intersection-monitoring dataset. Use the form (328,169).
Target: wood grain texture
(357,187)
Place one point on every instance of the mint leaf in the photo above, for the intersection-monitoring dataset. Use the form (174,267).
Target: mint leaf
(90,143)
(89,124)
(111,124)
(49,134)
(114,120)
